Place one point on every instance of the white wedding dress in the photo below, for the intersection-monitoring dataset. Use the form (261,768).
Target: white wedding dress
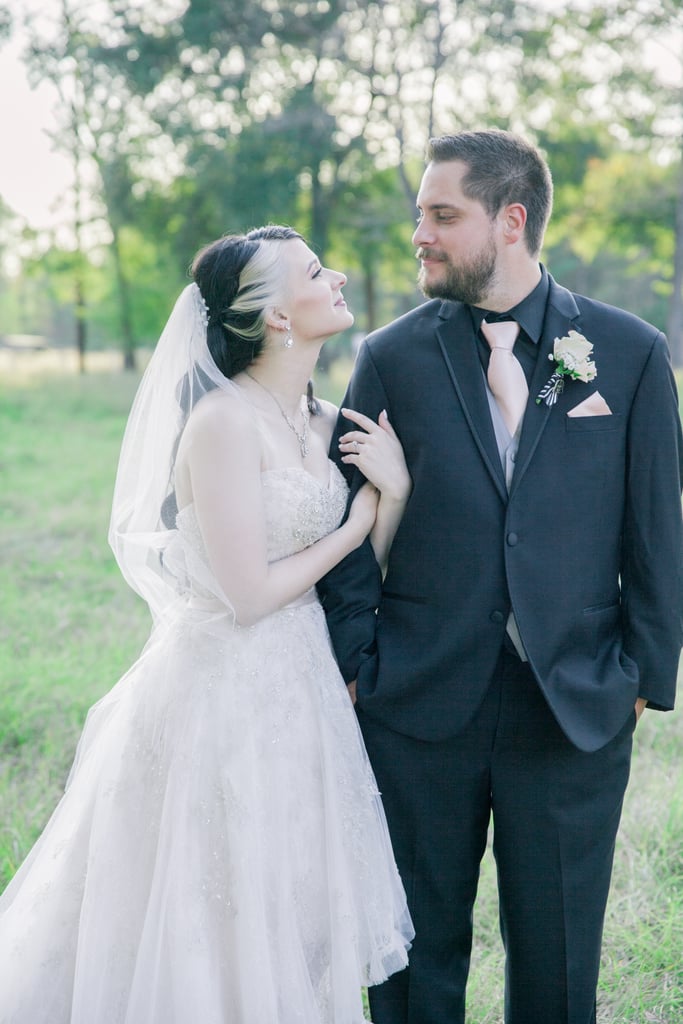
(220,855)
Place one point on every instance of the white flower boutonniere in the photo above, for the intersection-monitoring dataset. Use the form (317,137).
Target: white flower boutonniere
(572,356)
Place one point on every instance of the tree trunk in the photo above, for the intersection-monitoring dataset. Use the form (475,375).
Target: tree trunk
(409,190)
(125,314)
(319,215)
(370,297)
(79,287)
(81,325)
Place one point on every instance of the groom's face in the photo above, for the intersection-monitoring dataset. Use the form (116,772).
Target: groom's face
(456,238)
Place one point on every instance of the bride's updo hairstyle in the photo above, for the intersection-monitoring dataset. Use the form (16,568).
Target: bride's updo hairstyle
(241,278)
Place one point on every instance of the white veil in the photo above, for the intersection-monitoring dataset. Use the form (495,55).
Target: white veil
(142,530)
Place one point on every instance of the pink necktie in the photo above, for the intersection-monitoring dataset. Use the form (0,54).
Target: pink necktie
(506,376)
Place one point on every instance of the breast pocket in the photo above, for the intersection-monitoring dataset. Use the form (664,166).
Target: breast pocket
(591,424)
(591,452)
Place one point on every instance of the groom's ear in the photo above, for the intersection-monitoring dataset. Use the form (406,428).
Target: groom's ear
(514,222)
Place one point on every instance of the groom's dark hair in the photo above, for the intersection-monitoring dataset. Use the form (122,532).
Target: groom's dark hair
(502,168)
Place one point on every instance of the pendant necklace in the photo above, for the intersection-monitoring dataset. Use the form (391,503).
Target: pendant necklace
(301,436)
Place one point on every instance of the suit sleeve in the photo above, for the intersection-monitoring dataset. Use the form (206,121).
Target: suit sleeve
(652,554)
(351,592)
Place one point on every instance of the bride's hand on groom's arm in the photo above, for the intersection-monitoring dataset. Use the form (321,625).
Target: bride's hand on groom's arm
(377,452)
(351,687)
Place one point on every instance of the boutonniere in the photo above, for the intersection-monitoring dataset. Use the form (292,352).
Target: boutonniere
(571,355)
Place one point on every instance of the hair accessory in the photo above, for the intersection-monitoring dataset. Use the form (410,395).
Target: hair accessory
(202,308)
(288,340)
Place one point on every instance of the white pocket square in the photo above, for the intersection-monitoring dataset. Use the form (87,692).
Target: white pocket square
(594,405)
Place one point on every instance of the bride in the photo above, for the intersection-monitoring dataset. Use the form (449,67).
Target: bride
(220,854)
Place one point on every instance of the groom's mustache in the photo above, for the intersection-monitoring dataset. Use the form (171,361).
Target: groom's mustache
(429,254)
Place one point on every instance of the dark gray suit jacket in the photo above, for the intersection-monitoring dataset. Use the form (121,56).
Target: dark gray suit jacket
(587,547)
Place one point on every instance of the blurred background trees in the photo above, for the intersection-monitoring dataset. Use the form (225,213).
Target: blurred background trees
(185,120)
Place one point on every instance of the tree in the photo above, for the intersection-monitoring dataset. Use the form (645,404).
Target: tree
(617,66)
(292,101)
(104,131)
(372,237)
(198,118)
(56,61)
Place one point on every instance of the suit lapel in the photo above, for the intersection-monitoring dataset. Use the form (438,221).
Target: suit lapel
(454,335)
(561,316)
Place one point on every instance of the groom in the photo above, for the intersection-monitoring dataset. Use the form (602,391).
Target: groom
(532,604)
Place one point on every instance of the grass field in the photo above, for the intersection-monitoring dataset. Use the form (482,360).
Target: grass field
(69,627)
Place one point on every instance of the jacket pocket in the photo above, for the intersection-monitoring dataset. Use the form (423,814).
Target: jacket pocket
(601,625)
(584,424)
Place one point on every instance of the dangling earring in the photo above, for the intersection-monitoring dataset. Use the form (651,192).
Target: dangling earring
(288,340)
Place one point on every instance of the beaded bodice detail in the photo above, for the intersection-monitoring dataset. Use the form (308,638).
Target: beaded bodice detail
(299,510)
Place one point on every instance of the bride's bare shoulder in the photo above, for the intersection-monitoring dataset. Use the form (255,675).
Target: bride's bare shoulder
(220,431)
(220,410)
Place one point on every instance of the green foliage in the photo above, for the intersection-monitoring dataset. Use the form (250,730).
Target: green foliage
(611,233)
(5,20)
(195,120)
(625,206)
(370,232)
(154,280)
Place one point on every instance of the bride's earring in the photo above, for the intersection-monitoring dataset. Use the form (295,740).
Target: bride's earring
(288,340)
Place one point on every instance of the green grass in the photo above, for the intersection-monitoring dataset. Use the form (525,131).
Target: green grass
(69,627)
(68,624)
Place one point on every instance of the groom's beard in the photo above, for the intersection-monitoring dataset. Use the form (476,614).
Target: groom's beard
(469,283)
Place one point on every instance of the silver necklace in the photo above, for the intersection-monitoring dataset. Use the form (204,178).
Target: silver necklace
(302,437)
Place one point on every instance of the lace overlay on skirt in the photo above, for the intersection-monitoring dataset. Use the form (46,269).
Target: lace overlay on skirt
(220,854)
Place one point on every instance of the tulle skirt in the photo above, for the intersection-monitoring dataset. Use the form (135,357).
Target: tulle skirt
(220,855)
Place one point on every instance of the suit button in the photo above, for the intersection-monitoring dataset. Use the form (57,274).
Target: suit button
(512,539)
(497,617)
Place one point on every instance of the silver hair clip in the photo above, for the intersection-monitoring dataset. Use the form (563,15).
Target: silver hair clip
(202,308)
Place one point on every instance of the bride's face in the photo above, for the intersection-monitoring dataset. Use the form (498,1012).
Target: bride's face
(314,304)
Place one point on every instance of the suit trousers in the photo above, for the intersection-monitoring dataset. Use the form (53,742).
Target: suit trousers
(555,812)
